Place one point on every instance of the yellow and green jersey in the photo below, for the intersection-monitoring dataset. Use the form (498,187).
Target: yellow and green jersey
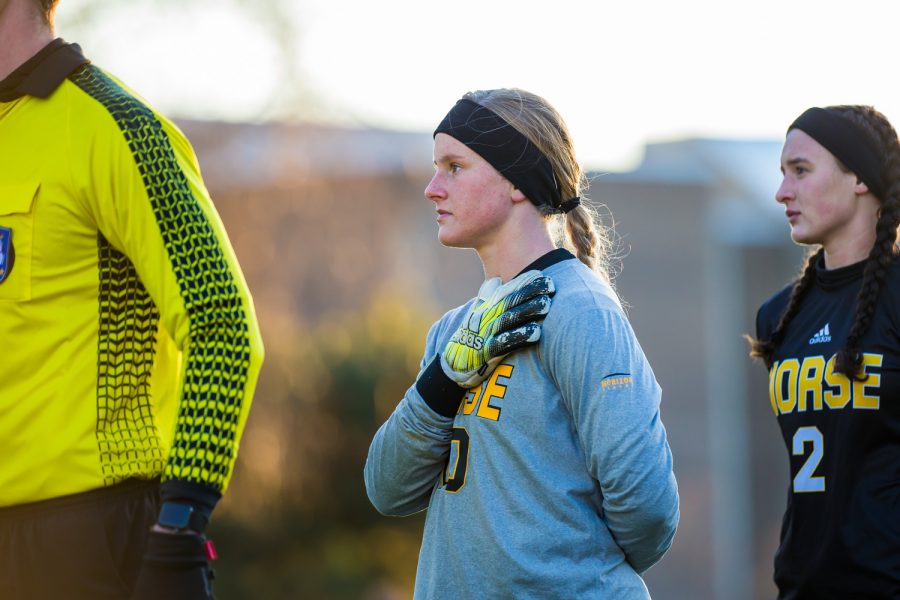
(130,343)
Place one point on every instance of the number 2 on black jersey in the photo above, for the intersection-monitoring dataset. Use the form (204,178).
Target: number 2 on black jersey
(805,481)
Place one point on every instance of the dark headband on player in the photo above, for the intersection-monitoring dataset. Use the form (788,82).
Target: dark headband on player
(507,150)
(849,143)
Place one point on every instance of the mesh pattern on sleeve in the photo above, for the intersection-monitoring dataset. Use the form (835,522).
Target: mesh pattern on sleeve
(218,352)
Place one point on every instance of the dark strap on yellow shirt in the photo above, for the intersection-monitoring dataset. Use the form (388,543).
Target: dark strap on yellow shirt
(42,73)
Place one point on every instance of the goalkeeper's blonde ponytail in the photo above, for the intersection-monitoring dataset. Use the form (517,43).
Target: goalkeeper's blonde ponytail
(584,233)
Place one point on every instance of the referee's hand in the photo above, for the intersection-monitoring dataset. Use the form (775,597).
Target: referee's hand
(505,317)
(175,567)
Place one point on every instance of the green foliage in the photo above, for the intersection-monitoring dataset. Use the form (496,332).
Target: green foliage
(296,522)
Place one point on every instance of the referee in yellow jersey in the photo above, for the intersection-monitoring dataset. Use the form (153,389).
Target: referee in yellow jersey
(130,348)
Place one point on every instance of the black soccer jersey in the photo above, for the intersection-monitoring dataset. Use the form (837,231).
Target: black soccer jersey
(840,536)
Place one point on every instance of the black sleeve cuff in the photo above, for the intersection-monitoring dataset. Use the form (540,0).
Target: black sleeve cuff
(202,497)
(440,392)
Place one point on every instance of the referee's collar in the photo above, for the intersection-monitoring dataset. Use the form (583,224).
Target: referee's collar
(42,73)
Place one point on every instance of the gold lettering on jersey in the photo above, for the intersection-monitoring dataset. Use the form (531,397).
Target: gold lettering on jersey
(772,372)
(788,368)
(841,397)
(861,400)
(615,382)
(493,389)
(481,395)
(810,382)
(813,385)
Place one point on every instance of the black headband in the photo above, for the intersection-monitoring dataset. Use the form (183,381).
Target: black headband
(849,143)
(507,150)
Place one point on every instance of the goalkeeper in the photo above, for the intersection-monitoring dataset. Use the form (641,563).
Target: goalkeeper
(532,434)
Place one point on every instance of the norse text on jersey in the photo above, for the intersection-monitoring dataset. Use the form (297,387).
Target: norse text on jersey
(811,383)
(482,396)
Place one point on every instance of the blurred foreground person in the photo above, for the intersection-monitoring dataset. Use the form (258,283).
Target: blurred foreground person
(131,347)
(532,434)
(831,342)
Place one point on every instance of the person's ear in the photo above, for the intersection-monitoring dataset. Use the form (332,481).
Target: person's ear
(860,188)
(517,195)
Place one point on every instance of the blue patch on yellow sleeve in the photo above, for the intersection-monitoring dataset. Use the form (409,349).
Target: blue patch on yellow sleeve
(7,253)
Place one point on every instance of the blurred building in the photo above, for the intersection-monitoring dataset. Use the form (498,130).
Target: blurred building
(323,218)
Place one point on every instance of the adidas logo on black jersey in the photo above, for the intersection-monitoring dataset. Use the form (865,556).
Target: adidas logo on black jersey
(822,336)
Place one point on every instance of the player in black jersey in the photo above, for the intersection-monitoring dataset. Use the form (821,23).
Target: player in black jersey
(831,342)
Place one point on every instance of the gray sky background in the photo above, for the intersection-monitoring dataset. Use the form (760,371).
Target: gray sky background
(621,73)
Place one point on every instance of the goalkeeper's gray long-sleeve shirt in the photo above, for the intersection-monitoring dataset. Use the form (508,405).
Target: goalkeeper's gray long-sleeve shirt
(553,479)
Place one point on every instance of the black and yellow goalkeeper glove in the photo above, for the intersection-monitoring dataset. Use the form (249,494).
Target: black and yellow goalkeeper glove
(504,317)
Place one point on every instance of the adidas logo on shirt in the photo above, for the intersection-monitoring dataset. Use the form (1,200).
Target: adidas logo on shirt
(822,336)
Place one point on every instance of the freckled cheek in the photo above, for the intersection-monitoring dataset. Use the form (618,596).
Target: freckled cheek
(477,199)
(482,189)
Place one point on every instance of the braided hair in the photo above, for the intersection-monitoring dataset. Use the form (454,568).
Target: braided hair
(879,261)
(584,233)
(765,349)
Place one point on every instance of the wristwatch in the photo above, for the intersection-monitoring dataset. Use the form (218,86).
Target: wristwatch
(179,516)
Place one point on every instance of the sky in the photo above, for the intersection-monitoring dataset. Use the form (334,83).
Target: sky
(622,73)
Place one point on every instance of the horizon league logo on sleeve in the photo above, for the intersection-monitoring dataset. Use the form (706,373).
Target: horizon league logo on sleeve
(7,253)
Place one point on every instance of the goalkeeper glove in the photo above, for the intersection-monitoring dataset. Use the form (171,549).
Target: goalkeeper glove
(504,317)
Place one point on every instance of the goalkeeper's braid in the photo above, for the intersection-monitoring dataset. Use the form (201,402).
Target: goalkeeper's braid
(584,233)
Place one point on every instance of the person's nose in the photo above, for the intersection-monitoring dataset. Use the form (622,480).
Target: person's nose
(785,191)
(435,190)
